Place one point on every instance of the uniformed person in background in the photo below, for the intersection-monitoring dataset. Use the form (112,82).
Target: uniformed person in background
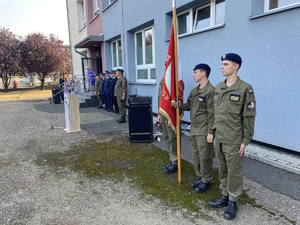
(102,84)
(200,103)
(113,83)
(121,93)
(235,110)
(169,136)
(97,90)
(107,90)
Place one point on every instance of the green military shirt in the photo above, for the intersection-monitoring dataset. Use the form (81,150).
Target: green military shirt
(235,110)
(200,103)
(97,85)
(121,86)
(161,85)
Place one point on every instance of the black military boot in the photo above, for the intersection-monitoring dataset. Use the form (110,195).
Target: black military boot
(196,183)
(220,202)
(122,119)
(230,212)
(203,187)
(171,169)
(167,166)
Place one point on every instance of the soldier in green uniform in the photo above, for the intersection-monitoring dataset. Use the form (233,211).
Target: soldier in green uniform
(235,110)
(169,135)
(97,89)
(120,93)
(200,103)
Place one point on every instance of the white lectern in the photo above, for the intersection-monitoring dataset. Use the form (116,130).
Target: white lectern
(72,113)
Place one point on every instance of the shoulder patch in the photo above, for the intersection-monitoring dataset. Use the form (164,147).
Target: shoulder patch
(216,93)
(250,92)
(251,106)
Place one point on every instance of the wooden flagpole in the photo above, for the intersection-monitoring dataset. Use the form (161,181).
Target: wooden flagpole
(177,92)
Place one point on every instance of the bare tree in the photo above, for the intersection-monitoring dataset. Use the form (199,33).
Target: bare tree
(41,55)
(9,56)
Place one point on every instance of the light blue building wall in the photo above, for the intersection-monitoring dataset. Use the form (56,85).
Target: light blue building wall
(268,42)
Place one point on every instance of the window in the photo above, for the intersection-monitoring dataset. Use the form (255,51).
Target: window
(83,14)
(185,22)
(274,4)
(116,49)
(205,16)
(219,12)
(144,55)
(95,8)
(81,17)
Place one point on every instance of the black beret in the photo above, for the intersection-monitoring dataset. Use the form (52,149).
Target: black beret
(202,66)
(233,58)
(113,71)
(102,74)
(120,70)
(107,72)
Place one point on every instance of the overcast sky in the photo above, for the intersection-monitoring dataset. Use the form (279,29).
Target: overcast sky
(26,16)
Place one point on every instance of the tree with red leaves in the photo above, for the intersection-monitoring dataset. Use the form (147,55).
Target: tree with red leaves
(9,56)
(65,67)
(41,55)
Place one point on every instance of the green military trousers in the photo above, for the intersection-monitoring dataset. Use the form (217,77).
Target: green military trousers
(121,105)
(170,140)
(230,170)
(203,154)
(99,99)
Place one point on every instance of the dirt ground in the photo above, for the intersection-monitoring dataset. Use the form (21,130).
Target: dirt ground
(32,194)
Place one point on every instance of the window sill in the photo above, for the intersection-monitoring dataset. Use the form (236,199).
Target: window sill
(82,28)
(95,17)
(200,31)
(274,11)
(151,83)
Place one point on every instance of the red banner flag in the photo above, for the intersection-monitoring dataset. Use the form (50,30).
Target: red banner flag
(168,95)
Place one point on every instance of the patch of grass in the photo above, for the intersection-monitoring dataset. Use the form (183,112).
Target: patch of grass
(141,164)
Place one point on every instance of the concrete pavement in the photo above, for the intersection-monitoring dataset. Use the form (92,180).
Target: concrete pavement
(274,158)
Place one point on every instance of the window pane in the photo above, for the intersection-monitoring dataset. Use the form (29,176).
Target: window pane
(120,53)
(148,45)
(183,23)
(83,13)
(95,6)
(280,3)
(114,52)
(142,74)
(152,73)
(139,49)
(220,11)
(203,18)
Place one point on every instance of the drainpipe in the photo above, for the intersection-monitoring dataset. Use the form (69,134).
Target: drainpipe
(79,52)
(69,37)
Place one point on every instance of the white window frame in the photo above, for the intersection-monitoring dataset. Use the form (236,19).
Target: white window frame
(111,2)
(117,54)
(83,14)
(144,65)
(196,15)
(95,8)
(190,23)
(267,6)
